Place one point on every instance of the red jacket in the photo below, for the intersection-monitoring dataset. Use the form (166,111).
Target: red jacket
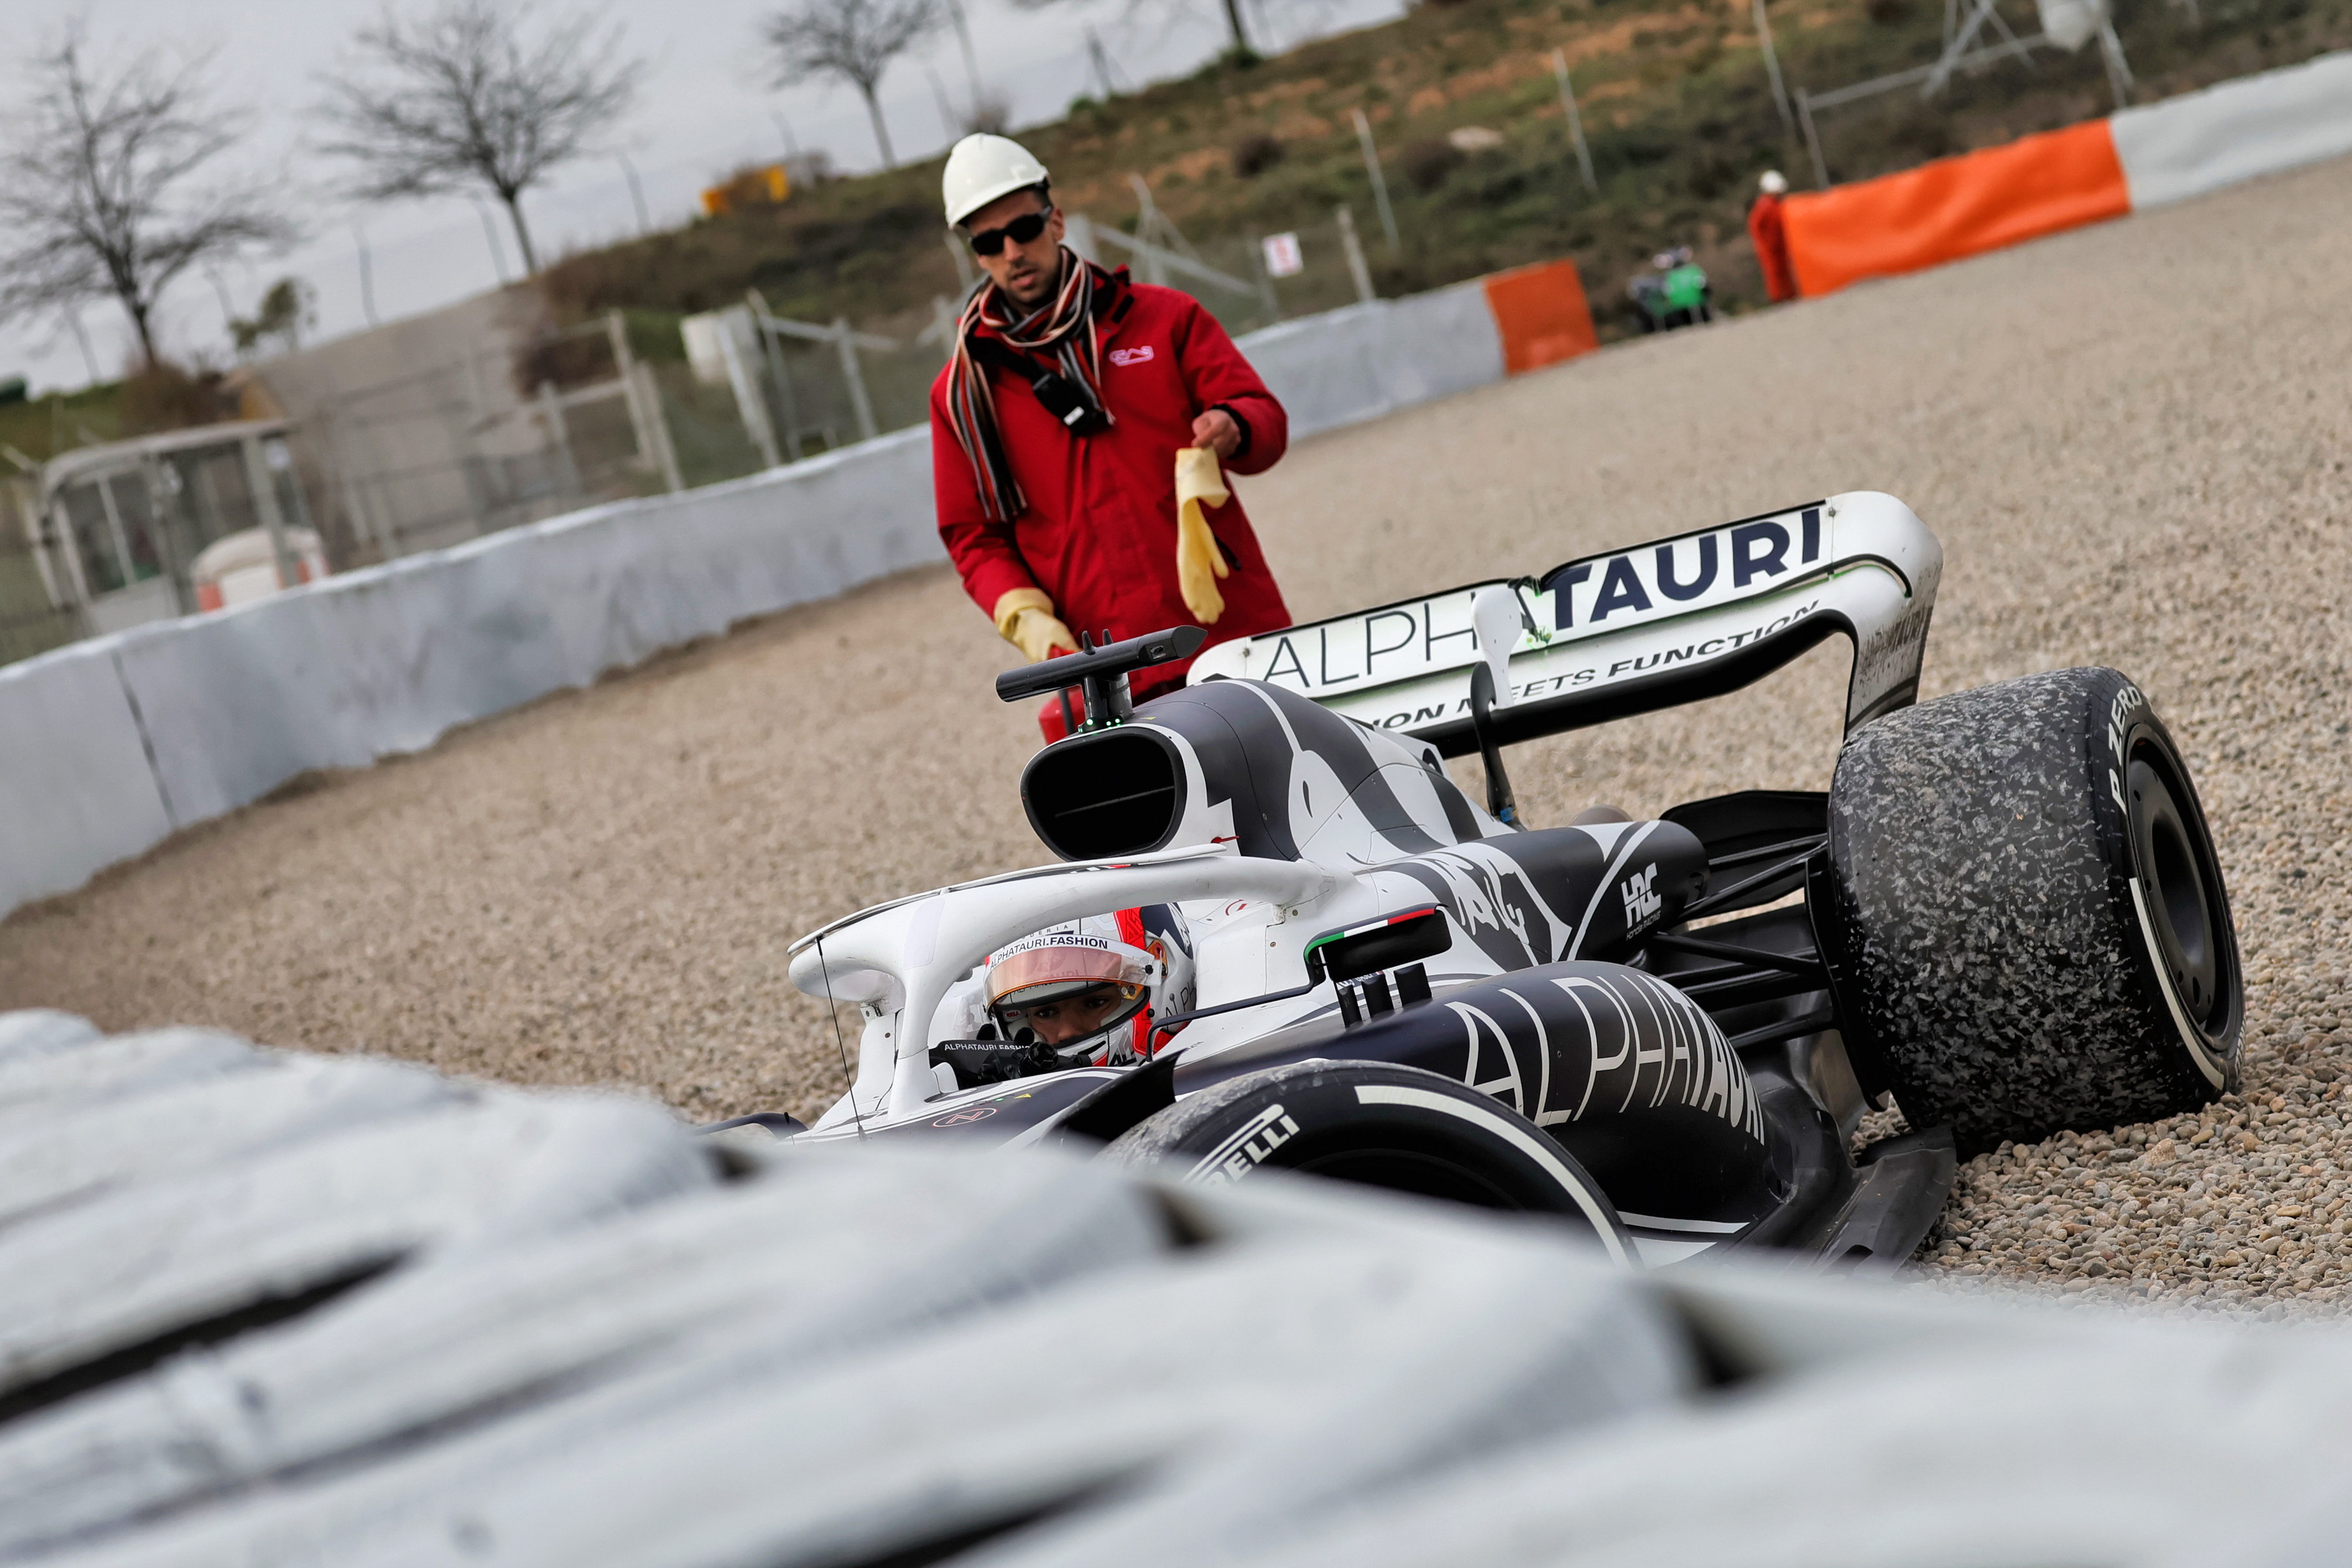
(1099,536)
(1769,230)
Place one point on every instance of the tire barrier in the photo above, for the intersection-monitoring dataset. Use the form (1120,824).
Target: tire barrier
(581,1334)
(117,742)
(2136,159)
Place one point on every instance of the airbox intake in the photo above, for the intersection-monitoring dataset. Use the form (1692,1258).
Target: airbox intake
(1112,793)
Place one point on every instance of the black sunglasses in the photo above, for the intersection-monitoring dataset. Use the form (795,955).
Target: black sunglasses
(1020,231)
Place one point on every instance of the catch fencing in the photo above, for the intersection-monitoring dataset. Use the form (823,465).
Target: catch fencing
(121,740)
(31,619)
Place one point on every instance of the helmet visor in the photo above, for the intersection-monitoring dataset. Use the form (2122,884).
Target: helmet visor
(1060,994)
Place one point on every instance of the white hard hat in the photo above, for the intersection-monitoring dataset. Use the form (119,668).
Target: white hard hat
(1773,184)
(981,168)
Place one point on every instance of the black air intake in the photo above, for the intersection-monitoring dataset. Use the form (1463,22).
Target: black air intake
(1094,798)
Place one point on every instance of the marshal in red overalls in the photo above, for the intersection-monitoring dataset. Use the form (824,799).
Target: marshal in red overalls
(1098,534)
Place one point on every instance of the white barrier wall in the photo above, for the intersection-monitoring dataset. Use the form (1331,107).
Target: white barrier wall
(76,791)
(1347,366)
(113,744)
(2256,125)
(386,659)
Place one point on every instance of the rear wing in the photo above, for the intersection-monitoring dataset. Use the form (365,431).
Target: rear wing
(1674,621)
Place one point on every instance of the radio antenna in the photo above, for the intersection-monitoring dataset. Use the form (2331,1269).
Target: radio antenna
(833,1011)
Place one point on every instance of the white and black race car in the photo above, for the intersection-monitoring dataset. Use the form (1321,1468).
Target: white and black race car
(2005,913)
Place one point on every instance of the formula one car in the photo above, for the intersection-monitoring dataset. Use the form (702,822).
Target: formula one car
(2005,913)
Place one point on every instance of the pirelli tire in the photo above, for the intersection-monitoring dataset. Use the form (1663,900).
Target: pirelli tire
(2026,921)
(1379,1125)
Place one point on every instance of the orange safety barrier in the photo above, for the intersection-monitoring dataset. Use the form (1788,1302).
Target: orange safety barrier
(1541,315)
(1954,208)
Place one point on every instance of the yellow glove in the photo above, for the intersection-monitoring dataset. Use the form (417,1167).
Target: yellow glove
(1024,617)
(1199,562)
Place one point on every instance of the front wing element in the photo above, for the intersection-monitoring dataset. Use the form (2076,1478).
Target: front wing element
(1607,636)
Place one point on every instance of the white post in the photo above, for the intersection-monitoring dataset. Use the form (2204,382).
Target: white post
(1354,249)
(1380,183)
(846,340)
(1078,233)
(1772,66)
(1576,120)
(748,401)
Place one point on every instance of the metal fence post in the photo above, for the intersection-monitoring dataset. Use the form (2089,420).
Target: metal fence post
(1813,141)
(773,353)
(1772,66)
(264,486)
(365,527)
(959,253)
(642,416)
(748,401)
(1266,295)
(846,340)
(1576,120)
(1354,249)
(649,394)
(1379,183)
(1078,233)
(1147,227)
(559,435)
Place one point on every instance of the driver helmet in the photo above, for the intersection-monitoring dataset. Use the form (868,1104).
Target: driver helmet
(1089,989)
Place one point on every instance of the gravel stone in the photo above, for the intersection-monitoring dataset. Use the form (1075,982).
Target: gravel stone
(2134,456)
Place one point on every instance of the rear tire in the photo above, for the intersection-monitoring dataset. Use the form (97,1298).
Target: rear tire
(1377,1125)
(2026,919)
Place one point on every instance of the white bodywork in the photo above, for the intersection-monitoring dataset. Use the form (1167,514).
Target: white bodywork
(1861,561)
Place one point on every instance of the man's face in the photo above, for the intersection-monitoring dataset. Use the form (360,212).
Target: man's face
(1069,1019)
(1027,273)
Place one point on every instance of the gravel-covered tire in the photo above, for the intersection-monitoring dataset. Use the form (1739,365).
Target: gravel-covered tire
(2025,917)
(1377,1125)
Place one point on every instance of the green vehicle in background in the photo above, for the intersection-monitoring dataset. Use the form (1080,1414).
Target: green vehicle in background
(1673,293)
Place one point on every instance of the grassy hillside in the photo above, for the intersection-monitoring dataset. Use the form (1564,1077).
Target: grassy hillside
(1676,107)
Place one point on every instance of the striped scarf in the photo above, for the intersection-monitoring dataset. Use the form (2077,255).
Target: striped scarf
(1064,331)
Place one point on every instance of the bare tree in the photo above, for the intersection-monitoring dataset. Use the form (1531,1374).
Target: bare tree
(461,99)
(850,40)
(101,191)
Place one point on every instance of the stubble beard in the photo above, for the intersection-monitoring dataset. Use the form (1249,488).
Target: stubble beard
(1038,289)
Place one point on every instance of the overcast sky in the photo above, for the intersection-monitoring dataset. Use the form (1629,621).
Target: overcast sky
(705,109)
